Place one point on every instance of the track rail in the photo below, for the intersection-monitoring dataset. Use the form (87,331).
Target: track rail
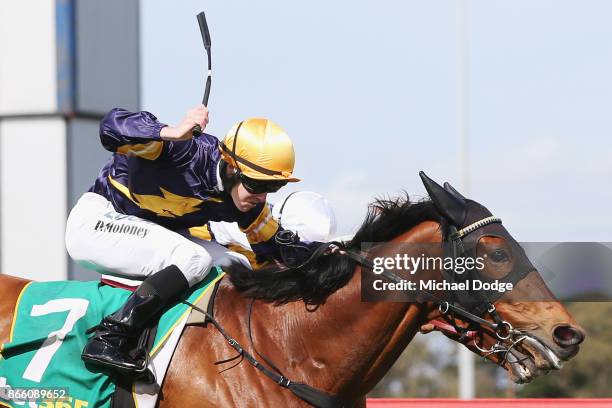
(488,402)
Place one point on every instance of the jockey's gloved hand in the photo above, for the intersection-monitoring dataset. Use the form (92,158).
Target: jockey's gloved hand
(287,237)
(293,251)
(182,131)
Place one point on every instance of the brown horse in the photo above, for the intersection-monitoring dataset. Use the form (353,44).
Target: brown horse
(311,323)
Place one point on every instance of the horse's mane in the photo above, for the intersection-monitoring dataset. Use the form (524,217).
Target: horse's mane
(314,282)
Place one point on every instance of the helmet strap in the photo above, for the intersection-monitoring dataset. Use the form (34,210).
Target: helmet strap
(234,148)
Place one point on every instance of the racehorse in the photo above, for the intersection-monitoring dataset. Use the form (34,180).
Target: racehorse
(310,321)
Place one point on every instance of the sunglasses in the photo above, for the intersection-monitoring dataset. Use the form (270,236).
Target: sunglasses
(254,186)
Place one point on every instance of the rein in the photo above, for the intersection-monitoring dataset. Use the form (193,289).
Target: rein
(303,391)
(502,329)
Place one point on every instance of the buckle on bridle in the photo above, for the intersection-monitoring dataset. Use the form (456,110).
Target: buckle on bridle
(284,382)
(500,328)
(457,243)
(446,309)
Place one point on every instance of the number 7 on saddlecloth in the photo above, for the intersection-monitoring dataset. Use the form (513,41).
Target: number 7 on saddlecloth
(76,309)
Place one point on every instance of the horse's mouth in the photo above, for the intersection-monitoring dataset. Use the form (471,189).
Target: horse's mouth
(534,358)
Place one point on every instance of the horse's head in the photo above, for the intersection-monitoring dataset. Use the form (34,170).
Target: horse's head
(527,331)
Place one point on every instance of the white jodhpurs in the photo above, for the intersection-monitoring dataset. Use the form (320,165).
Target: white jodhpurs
(100,238)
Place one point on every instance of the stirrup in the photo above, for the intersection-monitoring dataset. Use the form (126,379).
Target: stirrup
(138,372)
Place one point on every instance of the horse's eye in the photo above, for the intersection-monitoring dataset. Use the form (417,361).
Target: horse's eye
(499,255)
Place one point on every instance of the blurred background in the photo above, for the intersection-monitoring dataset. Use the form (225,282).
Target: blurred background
(509,101)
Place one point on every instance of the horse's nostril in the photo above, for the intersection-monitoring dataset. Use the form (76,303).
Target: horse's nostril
(567,335)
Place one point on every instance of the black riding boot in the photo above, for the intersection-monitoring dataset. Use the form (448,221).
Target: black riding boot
(109,346)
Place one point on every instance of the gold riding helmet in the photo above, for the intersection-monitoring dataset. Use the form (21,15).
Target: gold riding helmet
(262,153)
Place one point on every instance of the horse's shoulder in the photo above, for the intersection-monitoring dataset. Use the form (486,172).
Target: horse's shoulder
(226,291)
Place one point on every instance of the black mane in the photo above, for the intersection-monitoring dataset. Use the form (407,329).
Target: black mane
(313,283)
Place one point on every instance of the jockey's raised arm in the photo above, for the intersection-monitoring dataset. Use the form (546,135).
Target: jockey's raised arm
(140,134)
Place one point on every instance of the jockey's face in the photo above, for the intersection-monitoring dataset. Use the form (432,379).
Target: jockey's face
(245,201)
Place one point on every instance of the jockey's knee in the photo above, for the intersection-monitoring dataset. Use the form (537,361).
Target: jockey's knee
(193,261)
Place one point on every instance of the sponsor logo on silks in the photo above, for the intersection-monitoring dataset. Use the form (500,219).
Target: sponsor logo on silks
(118,228)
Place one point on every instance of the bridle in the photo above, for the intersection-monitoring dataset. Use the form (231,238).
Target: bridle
(449,309)
(452,308)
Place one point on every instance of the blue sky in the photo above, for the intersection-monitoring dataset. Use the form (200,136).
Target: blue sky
(368,91)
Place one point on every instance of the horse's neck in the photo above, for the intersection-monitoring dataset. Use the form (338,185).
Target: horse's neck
(346,344)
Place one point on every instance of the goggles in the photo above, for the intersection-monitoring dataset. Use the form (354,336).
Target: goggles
(254,186)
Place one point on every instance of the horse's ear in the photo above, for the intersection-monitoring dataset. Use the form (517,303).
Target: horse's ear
(453,190)
(448,204)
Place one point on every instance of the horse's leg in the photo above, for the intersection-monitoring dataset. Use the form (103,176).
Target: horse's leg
(10,288)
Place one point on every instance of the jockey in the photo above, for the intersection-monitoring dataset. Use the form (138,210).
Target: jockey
(159,185)
(306,214)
